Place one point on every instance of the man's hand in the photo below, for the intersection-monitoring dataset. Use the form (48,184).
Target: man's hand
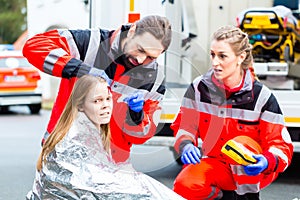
(135,101)
(98,72)
(258,167)
(190,154)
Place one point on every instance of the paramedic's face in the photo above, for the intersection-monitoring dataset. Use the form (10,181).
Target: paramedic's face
(141,49)
(224,61)
(98,104)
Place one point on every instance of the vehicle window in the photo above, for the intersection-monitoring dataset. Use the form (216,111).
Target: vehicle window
(14,63)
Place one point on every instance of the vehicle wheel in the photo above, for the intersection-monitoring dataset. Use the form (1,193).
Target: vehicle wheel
(35,108)
(4,109)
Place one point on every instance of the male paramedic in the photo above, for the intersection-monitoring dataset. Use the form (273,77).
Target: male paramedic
(125,57)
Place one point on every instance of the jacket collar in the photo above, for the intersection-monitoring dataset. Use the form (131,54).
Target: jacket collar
(247,85)
(216,96)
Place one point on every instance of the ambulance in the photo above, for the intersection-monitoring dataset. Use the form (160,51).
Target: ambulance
(193,23)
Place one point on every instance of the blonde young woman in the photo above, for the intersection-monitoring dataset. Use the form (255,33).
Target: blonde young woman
(76,163)
(228,103)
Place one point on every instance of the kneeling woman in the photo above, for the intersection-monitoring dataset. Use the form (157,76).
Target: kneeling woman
(75,162)
(226,104)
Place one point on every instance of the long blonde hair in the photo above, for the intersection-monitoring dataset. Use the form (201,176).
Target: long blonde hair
(77,97)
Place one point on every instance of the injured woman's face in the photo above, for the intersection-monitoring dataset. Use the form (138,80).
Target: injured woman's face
(98,104)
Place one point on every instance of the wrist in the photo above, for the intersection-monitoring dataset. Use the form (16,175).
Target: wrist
(272,162)
(134,118)
(183,144)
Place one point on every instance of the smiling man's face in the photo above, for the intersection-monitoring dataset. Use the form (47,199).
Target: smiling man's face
(141,49)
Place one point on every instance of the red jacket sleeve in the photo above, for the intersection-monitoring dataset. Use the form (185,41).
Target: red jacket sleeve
(49,52)
(185,126)
(276,142)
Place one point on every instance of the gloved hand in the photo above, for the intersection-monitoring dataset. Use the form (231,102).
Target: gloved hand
(258,167)
(190,154)
(135,101)
(98,72)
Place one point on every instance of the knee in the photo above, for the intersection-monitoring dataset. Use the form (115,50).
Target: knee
(187,182)
(188,187)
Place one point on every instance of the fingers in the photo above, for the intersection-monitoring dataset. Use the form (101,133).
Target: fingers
(135,101)
(258,167)
(186,159)
(130,99)
(250,171)
(195,155)
(191,157)
(198,153)
(126,99)
(258,157)
(136,108)
(135,98)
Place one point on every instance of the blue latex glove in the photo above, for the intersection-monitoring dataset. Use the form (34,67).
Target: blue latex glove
(135,101)
(190,154)
(98,72)
(258,167)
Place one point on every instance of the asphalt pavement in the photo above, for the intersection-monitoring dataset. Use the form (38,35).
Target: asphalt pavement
(20,137)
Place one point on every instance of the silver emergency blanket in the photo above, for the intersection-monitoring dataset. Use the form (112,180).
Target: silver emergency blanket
(80,168)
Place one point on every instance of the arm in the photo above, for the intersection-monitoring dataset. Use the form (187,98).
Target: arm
(185,126)
(61,53)
(276,142)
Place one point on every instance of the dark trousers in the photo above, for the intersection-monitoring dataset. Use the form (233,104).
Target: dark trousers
(232,195)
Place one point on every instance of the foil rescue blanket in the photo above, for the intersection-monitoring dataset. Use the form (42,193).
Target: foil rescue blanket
(80,168)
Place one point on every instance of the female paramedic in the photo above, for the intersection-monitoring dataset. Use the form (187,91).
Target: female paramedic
(227,103)
(76,161)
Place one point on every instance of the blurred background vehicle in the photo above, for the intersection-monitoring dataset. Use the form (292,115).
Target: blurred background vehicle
(4,47)
(19,82)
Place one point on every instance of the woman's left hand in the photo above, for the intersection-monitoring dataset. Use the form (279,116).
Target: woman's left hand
(258,167)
